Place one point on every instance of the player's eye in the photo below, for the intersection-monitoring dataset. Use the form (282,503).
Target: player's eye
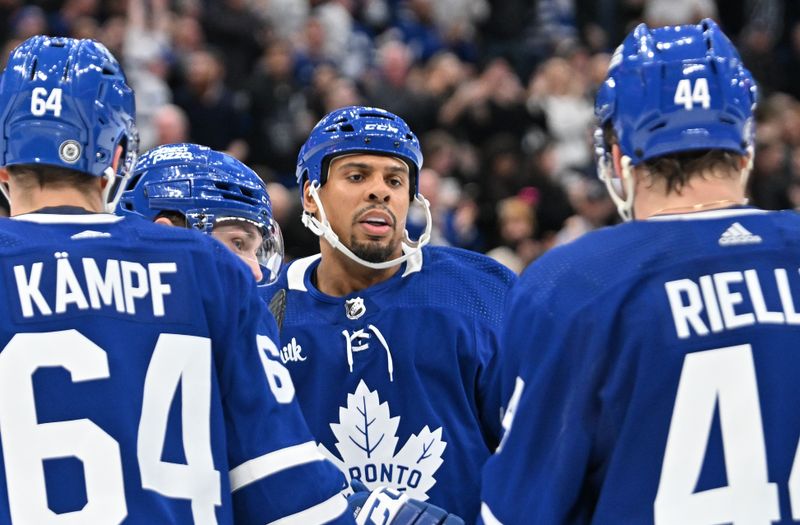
(355,177)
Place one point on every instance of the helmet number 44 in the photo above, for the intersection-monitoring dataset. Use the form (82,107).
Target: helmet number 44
(687,95)
(42,102)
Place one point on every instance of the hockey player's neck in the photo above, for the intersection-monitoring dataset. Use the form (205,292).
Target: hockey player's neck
(700,195)
(33,199)
(338,276)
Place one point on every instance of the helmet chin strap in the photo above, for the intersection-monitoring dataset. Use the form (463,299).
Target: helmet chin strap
(109,175)
(4,191)
(624,205)
(322,228)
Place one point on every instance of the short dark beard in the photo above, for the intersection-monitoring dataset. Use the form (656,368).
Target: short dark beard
(372,251)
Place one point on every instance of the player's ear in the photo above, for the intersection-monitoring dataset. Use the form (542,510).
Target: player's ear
(4,176)
(308,202)
(164,221)
(747,161)
(117,156)
(616,159)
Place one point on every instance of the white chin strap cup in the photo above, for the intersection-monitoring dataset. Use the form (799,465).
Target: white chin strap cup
(322,228)
(111,177)
(624,205)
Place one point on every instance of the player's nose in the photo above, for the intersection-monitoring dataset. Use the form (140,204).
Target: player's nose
(252,263)
(379,191)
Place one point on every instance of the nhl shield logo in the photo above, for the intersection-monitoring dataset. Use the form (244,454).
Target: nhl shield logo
(354,308)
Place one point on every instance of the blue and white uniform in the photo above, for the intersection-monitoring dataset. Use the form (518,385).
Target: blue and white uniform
(397,380)
(140,384)
(660,387)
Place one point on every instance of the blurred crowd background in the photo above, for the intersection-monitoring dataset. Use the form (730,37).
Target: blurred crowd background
(500,93)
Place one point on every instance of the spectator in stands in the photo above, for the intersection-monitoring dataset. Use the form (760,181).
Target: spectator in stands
(214,118)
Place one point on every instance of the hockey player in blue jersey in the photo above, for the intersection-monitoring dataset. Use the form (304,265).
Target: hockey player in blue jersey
(195,187)
(390,345)
(657,371)
(138,381)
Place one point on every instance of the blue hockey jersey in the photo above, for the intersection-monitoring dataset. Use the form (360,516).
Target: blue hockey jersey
(396,380)
(139,383)
(657,377)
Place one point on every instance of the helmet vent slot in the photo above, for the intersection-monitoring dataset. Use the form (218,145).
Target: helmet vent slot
(34,64)
(67,68)
(234,192)
(347,127)
(375,115)
(109,71)
(657,126)
(246,192)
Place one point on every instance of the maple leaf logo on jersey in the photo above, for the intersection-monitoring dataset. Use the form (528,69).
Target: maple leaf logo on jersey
(367,439)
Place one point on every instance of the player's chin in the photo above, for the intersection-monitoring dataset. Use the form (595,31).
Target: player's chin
(375,251)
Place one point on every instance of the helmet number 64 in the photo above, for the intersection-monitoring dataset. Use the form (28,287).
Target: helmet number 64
(42,102)
(687,95)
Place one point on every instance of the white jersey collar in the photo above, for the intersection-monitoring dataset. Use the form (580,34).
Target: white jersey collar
(295,274)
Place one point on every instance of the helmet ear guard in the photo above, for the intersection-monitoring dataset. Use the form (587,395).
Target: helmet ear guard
(670,90)
(359,130)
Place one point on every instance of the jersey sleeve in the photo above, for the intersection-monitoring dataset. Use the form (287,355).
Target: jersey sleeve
(276,473)
(489,383)
(492,354)
(539,472)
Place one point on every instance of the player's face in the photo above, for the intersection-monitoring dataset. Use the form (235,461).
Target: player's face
(366,201)
(243,239)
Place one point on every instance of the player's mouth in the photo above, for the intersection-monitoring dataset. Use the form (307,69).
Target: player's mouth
(376,223)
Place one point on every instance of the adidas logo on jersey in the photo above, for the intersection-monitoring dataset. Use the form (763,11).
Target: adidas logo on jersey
(738,234)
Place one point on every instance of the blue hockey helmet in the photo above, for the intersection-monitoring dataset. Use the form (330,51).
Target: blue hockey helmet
(66,103)
(208,187)
(358,129)
(675,89)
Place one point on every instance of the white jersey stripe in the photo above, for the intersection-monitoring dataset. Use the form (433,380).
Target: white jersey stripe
(268,464)
(324,512)
(488,517)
